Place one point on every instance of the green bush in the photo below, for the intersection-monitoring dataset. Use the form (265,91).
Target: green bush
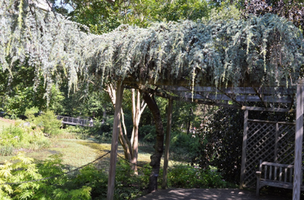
(88,183)
(23,169)
(49,123)
(148,132)
(184,147)
(128,185)
(19,136)
(30,113)
(6,150)
(185,176)
(18,170)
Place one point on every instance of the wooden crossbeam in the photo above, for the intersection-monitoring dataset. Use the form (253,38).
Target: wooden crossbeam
(238,98)
(266,109)
(235,90)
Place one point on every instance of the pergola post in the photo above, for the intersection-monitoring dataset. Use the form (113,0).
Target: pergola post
(114,145)
(298,142)
(244,148)
(169,120)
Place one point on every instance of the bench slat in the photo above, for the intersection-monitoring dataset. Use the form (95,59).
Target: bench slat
(285,177)
(265,171)
(280,176)
(290,175)
(273,175)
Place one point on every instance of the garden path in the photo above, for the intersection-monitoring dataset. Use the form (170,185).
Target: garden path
(210,194)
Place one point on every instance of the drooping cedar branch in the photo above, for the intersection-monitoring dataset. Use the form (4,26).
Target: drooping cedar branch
(265,50)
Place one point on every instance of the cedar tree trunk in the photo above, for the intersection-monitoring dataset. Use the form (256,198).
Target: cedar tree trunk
(159,145)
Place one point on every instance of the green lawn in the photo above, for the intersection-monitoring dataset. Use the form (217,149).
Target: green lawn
(76,153)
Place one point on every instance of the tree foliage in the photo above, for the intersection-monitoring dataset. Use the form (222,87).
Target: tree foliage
(267,49)
(291,10)
(102,16)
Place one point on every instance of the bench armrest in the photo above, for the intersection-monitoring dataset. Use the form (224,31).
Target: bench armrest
(258,175)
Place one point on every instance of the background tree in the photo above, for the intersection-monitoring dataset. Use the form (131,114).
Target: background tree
(129,142)
(291,10)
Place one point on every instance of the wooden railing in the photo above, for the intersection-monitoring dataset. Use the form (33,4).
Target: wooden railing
(75,121)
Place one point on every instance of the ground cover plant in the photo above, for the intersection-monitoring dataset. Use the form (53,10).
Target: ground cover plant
(55,181)
(19,137)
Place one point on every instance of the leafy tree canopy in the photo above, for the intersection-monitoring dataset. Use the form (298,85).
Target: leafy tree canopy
(265,50)
(102,16)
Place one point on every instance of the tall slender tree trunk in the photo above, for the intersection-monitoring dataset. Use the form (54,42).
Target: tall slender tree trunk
(159,144)
(130,146)
(138,107)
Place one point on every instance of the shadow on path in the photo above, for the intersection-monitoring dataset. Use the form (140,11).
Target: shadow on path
(209,194)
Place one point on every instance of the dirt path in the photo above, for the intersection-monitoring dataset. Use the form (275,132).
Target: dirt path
(209,194)
(7,120)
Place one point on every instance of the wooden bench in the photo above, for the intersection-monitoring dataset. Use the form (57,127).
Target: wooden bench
(275,175)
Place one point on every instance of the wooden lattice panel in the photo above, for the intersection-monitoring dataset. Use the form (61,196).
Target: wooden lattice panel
(286,144)
(267,141)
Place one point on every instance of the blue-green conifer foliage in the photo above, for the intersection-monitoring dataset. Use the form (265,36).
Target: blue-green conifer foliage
(267,50)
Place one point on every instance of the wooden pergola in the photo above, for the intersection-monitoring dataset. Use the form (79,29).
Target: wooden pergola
(274,99)
(223,63)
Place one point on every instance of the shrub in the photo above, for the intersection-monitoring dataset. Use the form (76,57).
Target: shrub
(94,178)
(88,183)
(30,113)
(184,147)
(18,170)
(23,169)
(6,150)
(49,123)
(128,185)
(148,132)
(19,136)
(185,176)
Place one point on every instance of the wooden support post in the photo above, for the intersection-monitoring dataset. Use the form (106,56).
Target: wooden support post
(298,142)
(244,148)
(276,143)
(114,145)
(169,120)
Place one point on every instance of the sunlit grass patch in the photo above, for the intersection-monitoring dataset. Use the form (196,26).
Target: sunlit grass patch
(4,124)
(73,153)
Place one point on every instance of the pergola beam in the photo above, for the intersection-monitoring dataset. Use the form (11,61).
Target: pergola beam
(265,109)
(235,90)
(238,98)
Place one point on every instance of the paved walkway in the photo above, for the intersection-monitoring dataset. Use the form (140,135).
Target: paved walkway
(209,194)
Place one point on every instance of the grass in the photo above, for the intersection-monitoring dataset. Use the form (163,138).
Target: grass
(4,124)
(76,152)
(73,154)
